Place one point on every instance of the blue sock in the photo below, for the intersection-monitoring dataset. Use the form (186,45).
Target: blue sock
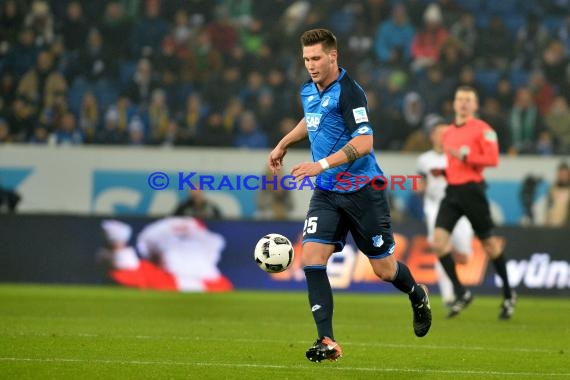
(404,282)
(320,298)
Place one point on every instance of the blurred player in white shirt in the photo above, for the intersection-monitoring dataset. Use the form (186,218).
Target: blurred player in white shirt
(432,165)
(177,253)
(185,248)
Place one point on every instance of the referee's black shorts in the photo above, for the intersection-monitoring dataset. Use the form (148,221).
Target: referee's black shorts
(468,199)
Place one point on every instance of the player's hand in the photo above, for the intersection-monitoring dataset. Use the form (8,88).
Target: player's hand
(306,169)
(455,153)
(275,159)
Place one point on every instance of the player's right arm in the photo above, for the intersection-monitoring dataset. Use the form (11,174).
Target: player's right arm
(299,133)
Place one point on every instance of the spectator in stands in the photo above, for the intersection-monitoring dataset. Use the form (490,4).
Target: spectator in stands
(530,41)
(493,115)
(67,132)
(282,90)
(110,133)
(434,89)
(115,27)
(554,62)
(202,62)
(7,92)
(172,136)
(558,213)
(149,31)
(524,122)
(88,118)
(198,206)
(94,62)
(222,31)
(136,132)
(41,84)
(231,114)
(23,55)
(428,41)
(74,27)
(494,46)
(452,57)
(40,20)
(21,119)
(393,41)
(4,132)
(142,84)
(266,111)
(248,134)
(253,88)
(193,118)
(504,94)
(558,123)
(40,135)
(11,19)
(465,31)
(158,116)
(543,92)
(214,134)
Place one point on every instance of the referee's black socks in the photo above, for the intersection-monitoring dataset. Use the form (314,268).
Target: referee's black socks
(449,265)
(320,298)
(501,269)
(404,281)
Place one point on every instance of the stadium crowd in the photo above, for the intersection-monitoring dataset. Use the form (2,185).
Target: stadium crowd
(227,72)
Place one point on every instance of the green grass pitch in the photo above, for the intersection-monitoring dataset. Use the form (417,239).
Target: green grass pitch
(65,332)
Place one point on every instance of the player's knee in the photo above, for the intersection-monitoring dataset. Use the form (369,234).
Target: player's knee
(385,268)
(492,246)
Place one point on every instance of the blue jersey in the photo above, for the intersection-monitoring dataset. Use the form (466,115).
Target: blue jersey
(333,118)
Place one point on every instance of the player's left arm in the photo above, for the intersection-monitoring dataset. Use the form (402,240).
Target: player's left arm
(487,153)
(483,152)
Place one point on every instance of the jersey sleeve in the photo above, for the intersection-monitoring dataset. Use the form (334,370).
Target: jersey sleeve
(354,109)
(487,152)
(421,167)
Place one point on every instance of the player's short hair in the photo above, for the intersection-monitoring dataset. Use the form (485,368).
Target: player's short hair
(465,88)
(319,36)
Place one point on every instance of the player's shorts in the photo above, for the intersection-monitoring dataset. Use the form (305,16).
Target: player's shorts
(470,200)
(365,213)
(462,234)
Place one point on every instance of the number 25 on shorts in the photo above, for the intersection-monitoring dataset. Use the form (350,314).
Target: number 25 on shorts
(310,226)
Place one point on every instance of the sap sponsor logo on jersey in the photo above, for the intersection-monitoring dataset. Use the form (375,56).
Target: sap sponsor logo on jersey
(360,115)
(313,120)
(538,272)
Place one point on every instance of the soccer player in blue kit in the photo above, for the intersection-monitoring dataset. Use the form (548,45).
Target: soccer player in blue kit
(347,196)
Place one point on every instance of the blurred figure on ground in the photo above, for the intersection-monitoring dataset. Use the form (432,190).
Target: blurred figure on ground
(198,206)
(558,213)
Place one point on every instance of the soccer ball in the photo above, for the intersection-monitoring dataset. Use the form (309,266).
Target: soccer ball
(274,253)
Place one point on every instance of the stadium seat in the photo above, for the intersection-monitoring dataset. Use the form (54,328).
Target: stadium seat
(503,7)
(553,24)
(473,6)
(518,78)
(126,71)
(487,80)
(513,22)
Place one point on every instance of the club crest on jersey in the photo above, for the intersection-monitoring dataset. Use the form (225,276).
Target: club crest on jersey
(377,241)
(313,120)
(360,115)
(325,101)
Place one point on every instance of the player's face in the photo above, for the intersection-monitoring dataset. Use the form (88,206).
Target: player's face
(465,104)
(437,135)
(322,66)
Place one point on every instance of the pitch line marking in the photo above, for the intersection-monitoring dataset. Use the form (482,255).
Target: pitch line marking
(274,366)
(249,340)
